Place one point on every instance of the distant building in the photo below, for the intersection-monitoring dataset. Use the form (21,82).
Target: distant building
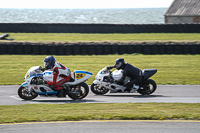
(183,11)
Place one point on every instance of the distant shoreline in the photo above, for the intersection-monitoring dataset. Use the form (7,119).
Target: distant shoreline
(81,8)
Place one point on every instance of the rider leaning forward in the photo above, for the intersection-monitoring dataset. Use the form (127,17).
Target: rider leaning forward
(127,70)
(61,75)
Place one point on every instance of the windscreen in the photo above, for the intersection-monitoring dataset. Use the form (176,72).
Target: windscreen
(32,71)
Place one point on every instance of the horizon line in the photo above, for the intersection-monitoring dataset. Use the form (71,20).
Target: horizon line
(92,8)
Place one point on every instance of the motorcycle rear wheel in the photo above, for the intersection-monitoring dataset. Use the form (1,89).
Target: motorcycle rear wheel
(24,93)
(148,87)
(82,89)
(98,91)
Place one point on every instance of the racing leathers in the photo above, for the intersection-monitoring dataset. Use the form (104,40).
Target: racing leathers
(61,75)
(128,70)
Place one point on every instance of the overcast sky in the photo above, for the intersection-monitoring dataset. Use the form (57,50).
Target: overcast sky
(84,4)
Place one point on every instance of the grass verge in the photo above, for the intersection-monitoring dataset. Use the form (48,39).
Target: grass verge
(99,111)
(105,37)
(172,69)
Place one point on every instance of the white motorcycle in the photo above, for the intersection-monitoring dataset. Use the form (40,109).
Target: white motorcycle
(30,89)
(101,85)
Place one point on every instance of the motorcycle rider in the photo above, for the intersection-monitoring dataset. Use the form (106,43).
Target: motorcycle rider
(61,74)
(127,70)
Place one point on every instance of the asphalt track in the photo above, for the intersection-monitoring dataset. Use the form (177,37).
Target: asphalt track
(104,127)
(163,94)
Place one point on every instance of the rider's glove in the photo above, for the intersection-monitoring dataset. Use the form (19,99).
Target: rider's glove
(42,69)
(108,67)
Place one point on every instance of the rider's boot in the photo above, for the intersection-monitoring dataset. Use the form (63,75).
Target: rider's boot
(134,89)
(61,92)
(65,92)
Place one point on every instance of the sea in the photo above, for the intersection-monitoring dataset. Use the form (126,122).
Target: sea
(89,16)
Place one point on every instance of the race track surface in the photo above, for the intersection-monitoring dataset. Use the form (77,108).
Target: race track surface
(163,94)
(104,127)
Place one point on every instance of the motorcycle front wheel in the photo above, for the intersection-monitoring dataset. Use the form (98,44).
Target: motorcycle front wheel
(97,90)
(148,87)
(24,93)
(79,91)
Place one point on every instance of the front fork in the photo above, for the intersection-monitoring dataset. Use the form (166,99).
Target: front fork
(101,84)
(26,85)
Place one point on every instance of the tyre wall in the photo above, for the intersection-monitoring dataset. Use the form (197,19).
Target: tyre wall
(98,28)
(27,48)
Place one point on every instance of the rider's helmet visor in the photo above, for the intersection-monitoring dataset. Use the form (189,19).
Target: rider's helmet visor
(46,64)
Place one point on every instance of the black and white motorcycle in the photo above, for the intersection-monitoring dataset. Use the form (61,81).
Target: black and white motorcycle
(101,85)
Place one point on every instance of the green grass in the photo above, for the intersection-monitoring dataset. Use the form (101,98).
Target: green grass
(99,111)
(172,69)
(105,37)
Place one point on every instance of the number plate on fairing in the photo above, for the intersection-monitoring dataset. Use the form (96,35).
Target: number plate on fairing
(80,75)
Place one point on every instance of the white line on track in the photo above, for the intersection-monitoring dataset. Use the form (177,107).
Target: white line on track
(15,97)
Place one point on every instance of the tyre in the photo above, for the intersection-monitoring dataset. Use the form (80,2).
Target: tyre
(148,87)
(79,91)
(97,90)
(24,93)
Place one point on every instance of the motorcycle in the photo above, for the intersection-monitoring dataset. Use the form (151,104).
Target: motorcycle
(31,88)
(102,83)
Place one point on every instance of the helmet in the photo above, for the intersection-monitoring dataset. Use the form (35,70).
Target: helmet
(49,61)
(119,63)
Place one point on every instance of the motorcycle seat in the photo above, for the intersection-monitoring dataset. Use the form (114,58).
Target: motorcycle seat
(146,73)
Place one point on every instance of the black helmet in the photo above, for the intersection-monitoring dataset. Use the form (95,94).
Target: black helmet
(119,63)
(49,61)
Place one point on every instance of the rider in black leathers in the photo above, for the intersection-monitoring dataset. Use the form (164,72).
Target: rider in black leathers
(127,70)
